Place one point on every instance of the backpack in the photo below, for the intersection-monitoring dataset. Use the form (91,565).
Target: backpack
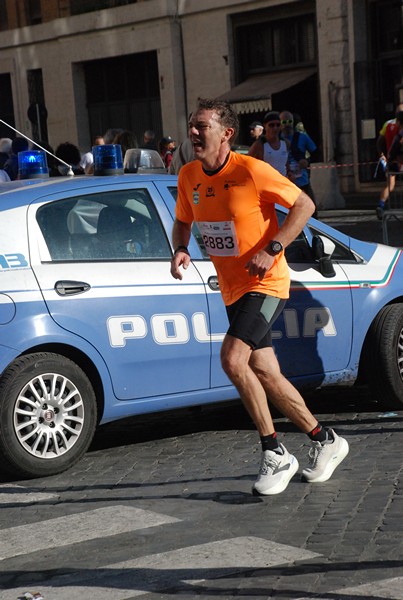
(296,153)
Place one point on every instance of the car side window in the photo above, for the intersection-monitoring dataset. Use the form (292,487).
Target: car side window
(119,225)
(299,251)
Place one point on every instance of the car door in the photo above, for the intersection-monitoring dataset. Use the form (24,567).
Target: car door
(102,259)
(218,320)
(313,336)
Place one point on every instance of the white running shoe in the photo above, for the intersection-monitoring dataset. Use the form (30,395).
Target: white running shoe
(275,472)
(324,458)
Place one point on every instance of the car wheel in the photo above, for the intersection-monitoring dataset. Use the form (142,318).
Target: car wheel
(48,415)
(385,352)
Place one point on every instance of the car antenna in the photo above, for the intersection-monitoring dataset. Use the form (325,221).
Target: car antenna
(70,169)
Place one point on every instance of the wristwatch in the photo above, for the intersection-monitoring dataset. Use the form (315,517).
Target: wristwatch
(181,249)
(275,247)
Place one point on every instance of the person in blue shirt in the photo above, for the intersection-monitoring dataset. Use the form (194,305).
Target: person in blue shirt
(301,146)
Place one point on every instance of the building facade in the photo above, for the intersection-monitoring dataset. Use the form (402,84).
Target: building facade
(71,69)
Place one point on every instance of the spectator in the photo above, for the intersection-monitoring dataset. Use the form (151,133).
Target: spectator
(383,144)
(3,176)
(19,144)
(5,151)
(110,134)
(127,140)
(149,140)
(166,149)
(300,144)
(182,155)
(395,155)
(70,154)
(99,140)
(87,159)
(298,124)
(255,130)
(270,147)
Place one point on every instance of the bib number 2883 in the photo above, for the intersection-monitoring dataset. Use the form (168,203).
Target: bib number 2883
(219,237)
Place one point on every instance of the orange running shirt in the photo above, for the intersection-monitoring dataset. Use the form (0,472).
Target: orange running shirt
(235,212)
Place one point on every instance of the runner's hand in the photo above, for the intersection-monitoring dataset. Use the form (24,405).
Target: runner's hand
(259,264)
(180,259)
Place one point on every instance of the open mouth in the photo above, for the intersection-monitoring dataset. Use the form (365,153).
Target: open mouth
(197,145)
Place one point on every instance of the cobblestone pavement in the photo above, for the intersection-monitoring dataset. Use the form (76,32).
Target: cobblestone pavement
(161,507)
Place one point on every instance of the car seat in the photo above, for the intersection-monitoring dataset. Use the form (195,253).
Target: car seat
(115,232)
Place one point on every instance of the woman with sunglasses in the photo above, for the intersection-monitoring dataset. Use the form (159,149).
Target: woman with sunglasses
(272,149)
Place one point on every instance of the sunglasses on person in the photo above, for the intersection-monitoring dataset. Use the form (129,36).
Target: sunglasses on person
(273,124)
(287,121)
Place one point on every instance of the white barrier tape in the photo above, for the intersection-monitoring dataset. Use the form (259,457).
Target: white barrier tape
(337,166)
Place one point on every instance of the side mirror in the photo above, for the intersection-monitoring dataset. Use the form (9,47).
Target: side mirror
(323,248)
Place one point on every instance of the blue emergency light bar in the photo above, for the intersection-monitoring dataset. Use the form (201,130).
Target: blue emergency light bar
(108,159)
(32,164)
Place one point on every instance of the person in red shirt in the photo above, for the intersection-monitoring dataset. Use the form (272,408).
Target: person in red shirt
(383,144)
(395,154)
(232,199)
(166,149)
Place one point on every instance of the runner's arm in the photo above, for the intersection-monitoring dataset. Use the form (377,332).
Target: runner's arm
(298,215)
(180,240)
(256,150)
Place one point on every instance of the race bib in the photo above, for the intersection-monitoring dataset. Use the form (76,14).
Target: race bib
(219,237)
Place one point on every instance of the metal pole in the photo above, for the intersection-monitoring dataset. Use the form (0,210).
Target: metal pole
(38,117)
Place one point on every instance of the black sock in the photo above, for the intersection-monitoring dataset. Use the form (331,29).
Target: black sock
(320,434)
(269,442)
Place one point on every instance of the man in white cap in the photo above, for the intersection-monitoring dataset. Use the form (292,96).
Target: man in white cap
(256,130)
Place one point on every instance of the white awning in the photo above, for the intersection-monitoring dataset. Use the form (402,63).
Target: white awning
(254,94)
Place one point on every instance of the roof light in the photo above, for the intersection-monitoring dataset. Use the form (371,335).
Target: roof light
(141,160)
(32,164)
(108,159)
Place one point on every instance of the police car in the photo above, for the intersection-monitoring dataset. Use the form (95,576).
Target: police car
(95,329)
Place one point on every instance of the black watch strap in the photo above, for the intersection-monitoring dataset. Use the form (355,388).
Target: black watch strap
(181,249)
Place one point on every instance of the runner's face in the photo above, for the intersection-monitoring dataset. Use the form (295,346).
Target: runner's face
(207,136)
(287,123)
(272,130)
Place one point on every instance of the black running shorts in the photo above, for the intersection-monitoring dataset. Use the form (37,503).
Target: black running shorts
(251,318)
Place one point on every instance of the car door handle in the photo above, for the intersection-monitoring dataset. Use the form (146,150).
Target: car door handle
(71,288)
(213,283)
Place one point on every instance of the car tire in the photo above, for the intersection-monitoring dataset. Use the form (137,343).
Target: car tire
(48,415)
(385,353)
